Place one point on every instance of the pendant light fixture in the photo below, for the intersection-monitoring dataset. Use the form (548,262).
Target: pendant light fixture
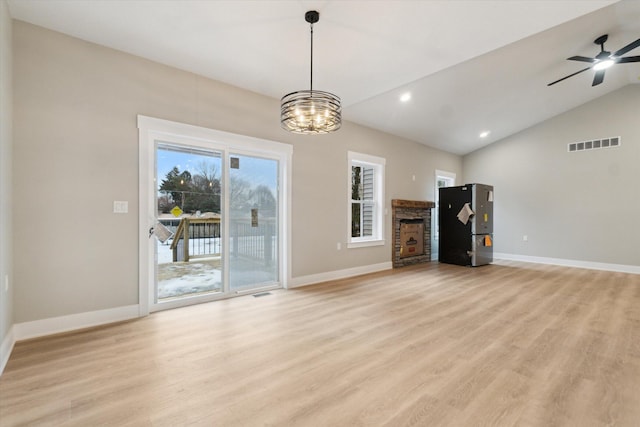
(310,111)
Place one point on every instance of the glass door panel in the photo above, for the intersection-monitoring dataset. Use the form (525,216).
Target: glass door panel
(188,222)
(253,223)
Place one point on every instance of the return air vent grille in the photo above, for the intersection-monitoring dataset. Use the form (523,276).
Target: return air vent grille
(595,144)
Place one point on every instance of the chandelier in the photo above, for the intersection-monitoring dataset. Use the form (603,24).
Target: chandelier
(310,111)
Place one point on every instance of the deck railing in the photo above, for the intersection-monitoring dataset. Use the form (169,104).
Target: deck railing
(200,238)
(258,243)
(196,238)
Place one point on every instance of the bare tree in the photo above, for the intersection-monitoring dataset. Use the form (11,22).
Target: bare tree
(239,192)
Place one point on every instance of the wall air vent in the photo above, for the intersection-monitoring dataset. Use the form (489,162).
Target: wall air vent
(614,141)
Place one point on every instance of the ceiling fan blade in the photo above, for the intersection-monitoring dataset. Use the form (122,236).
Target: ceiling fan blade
(582,59)
(628,59)
(570,75)
(627,48)
(598,78)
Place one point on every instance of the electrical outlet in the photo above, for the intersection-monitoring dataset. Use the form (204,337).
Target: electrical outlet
(6,283)
(339,246)
(525,238)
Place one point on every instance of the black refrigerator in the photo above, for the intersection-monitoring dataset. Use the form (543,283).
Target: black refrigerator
(465,217)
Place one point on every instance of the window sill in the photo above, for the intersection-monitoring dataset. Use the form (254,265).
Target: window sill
(365,243)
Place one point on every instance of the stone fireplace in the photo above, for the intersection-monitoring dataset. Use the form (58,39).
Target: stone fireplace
(411,232)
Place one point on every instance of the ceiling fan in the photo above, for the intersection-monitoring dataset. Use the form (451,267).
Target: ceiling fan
(603,60)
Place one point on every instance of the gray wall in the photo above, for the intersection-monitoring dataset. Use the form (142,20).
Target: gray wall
(76,151)
(6,138)
(574,206)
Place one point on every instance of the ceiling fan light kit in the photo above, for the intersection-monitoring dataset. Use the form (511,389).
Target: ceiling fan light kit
(310,111)
(603,60)
(603,65)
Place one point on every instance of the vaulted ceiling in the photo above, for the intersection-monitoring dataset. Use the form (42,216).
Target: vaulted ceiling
(470,66)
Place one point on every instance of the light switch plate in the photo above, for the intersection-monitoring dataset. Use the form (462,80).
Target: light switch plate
(120,206)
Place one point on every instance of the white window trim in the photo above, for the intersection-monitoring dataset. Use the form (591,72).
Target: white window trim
(379,163)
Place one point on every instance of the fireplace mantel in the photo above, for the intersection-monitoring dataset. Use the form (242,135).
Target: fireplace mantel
(412,204)
(411,210)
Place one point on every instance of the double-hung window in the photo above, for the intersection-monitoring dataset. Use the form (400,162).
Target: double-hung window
(366,200)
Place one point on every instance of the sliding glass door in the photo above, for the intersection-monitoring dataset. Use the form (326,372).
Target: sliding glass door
(214,209)
(212,215)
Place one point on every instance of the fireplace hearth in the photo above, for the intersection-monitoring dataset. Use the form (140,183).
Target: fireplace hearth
(411,232)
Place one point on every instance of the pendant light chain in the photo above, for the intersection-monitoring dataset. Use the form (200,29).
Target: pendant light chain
(311,82)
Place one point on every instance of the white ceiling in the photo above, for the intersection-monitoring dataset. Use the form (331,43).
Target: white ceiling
(470,65)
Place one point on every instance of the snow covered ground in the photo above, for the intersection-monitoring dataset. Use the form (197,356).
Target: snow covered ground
(203,275)
(199,279)
(178,279)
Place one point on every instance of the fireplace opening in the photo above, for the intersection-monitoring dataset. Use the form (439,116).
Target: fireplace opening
(411,237)
(411,221)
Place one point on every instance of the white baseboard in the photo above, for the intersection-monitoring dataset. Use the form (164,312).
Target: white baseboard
(622,268)
(55,325)
(338,274)
(5,349)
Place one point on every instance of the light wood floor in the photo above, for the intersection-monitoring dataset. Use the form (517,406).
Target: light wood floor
(506,344)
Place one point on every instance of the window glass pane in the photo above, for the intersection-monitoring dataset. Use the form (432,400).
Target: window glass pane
(367,193)
(355,219)
(356,183)
(253,222)
(188,184)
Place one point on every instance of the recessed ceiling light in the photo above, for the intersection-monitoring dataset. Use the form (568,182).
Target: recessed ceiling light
(405,97)
(484,134)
